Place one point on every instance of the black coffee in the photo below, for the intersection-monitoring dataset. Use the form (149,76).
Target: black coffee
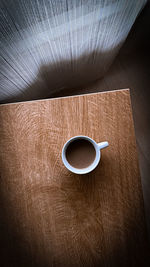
(80,153)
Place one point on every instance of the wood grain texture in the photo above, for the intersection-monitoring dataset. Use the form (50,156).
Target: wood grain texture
(51,217)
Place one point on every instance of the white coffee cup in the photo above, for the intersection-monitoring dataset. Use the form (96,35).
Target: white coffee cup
(92,166)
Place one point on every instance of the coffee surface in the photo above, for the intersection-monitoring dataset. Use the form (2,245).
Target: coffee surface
(80,153)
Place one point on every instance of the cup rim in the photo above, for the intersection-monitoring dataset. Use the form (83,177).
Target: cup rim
(88,169)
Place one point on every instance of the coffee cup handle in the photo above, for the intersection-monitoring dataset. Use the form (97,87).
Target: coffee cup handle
(102,145)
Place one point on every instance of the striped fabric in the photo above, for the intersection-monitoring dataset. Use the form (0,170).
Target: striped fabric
(47,45)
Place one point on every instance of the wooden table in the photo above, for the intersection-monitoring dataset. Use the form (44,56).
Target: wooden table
(52,217)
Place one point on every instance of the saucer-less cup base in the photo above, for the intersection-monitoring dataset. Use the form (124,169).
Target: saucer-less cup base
(92,166)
